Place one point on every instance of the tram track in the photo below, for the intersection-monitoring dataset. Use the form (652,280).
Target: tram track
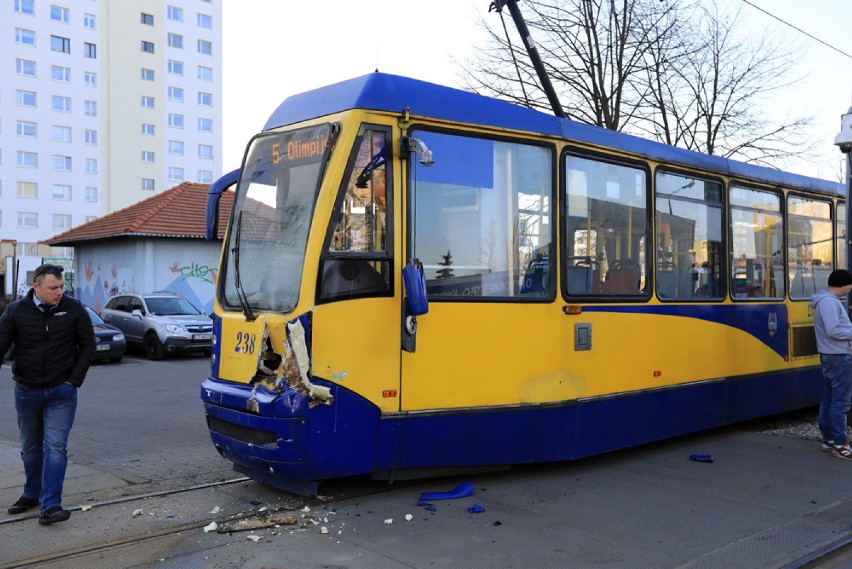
(340,491)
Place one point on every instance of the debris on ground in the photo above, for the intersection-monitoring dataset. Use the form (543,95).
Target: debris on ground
(463,490)
(212,526)
(259,522)
(701,457)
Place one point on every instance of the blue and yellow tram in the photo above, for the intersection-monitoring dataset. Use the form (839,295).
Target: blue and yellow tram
(568,290)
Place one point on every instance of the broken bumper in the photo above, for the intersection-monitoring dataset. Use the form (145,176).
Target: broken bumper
(284,442)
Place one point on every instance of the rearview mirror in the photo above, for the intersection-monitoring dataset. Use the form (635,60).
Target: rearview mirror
(415,287)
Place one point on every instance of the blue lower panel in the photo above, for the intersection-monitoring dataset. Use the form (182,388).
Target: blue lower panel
(288,444)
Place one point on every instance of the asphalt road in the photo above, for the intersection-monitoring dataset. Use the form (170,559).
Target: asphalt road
(145,481)
(139,420)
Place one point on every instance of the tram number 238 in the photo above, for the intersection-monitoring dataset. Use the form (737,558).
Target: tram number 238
(245,342)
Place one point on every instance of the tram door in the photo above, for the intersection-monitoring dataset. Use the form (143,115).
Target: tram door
(480,222)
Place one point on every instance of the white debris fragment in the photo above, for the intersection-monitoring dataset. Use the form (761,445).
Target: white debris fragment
(263,509)
(212,526)
(253,537)
(136,513)
(306,509)
(216,510)
(388,521)
(300,354)
(85,508)
(323,529)
(408,517)
(325,520)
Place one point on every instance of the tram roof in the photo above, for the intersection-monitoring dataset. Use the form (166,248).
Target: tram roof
(385,92)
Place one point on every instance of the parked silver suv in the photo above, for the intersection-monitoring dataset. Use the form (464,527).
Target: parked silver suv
(161,322)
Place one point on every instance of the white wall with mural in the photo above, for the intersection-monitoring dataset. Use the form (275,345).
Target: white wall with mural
(183,266)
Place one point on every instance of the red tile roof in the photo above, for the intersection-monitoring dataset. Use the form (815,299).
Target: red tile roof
(177,212)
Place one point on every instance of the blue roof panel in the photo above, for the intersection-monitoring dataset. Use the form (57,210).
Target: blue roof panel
(384,92)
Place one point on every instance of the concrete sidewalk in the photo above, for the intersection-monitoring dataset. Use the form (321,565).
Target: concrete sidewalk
(765,502)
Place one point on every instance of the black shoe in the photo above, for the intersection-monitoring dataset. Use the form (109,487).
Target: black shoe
(53,515)
(22,505)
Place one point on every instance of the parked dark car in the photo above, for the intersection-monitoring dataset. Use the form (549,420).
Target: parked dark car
(110,344)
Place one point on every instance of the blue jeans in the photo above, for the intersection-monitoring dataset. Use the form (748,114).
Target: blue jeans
(45,416)
(836,396)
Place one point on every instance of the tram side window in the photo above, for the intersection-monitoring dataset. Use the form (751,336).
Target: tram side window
(840,232)
(809,245)
(607,228)
(357,260)
(689,234)
(757,244)
(482,218)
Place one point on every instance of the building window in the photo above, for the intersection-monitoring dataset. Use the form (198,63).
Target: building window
(205,177)
(60,133)
(147,156)
(205,21)
(148,102)
(205,125)
(61,192)
(60,14)
(61,163)
(175,120)
(176,174)
(205,47)
(147,129)
(91,194)
(205,151)
(148,184)
(147,74)
(175,67)
(175,14)
(147,46)
(205,73)
(61,74)
(60,44)
(25,37)
(147,19)
(61,104)
(91,137)
(27,129)
(27,220)
(91,166)
(175,40)
(61,221)
(27,159)
(205,99)
(25,98)
(89,21)
(91,108)
(27,190)
(90,50)
(176,94)
(25,7)
(176,147)
(91,79)
(25,67)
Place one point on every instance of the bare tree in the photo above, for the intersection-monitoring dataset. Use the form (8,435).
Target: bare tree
(669,69)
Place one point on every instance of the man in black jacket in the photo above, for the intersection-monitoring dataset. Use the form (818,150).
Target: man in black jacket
(54,343)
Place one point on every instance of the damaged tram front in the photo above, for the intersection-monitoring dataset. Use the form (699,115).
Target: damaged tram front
(310,229)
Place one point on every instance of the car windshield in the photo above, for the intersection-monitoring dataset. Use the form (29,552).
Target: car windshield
(94,316)
(272,214)
(171,306)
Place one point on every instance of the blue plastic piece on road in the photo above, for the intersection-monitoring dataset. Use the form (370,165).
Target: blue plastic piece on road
(430,507)
(476,509)
(701,457)
(463,490)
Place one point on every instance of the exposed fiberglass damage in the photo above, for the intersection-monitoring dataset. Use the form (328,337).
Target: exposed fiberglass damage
(289,366)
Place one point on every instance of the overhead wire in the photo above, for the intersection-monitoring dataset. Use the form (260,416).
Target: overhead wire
(800,30)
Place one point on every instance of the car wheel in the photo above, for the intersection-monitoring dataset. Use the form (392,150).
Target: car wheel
(153,348)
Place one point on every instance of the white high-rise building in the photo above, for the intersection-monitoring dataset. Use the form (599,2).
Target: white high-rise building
(102,104)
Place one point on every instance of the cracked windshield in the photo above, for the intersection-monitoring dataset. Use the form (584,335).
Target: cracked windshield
(272,216)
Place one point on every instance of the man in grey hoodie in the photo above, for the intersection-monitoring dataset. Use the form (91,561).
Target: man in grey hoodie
(834,342)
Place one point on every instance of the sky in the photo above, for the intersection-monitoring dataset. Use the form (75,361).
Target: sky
(273,49)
